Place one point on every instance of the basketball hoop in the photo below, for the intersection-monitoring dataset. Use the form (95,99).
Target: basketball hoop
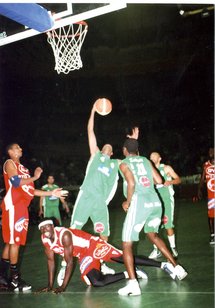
(66,44)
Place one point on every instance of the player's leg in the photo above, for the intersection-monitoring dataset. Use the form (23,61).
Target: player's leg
(97,279)
(100,219)
(4,268)
(145,261)
(133,224)
(21,221)
(178,269)
(168,224)
(81,211)
(211,221)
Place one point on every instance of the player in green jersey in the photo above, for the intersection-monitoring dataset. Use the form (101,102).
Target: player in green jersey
(49,206)
(166,194)
(143,209)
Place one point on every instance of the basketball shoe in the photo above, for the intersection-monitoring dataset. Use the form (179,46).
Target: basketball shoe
(169,269)
(174,252)
(155,254)
(141,274)
(19,285)
(131,289)
(212,242)
(106,270)
(180,272)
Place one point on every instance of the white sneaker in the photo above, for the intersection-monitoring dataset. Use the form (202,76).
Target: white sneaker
(132,289)
(106,270)
(174,252)
(61,274)
(180,272)
(169,269)
(155,254)
(141,274)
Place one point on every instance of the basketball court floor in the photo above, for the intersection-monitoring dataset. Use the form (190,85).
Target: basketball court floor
(195,254)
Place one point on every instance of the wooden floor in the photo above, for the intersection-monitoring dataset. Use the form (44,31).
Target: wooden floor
(160,291)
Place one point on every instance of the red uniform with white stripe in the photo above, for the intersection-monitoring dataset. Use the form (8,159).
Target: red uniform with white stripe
(210,181)
(87,248)
(15,204)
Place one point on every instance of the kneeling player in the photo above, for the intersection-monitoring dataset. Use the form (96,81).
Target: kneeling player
(89,250)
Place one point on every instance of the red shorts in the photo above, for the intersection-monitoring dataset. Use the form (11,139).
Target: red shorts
(15,223)
(98,250)
(211,207)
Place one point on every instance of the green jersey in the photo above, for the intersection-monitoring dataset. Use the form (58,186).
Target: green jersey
(101,176)
(165,191)
(142,171)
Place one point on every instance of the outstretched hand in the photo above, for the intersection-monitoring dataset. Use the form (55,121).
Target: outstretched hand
(58,192)
(135,133)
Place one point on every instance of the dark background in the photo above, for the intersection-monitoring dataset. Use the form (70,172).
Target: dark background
(156,67)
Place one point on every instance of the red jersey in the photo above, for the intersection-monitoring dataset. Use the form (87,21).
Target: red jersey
(87,248)
(24,193)
(210,179)
(80,239)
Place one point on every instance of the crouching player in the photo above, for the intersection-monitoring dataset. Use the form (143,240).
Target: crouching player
(89,250)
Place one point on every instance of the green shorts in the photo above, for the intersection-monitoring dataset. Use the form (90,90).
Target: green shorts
(94,207)
(141,214)
(168,204)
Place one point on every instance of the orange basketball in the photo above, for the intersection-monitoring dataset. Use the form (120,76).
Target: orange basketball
(103,106)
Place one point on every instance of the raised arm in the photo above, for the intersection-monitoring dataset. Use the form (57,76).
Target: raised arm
(91,134)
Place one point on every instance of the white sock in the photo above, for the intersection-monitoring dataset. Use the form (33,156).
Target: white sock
(171,239)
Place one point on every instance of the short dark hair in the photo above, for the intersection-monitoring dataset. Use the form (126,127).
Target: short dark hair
(131,145)
(9,146)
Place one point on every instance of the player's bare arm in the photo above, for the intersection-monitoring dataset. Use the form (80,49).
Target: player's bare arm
(156,175)
(175,177)
(91,134)
(131,185)
(11,170)
(68,257)
(51,271)
(57,192)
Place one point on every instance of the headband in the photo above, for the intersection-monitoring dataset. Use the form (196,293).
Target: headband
(45,222)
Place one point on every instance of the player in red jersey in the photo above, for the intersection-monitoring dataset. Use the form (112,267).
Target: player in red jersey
(208,175)
(15,218)
(89,250)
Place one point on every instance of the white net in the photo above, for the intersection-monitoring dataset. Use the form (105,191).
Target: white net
(66,43)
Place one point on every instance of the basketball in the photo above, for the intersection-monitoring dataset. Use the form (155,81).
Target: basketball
(103,106)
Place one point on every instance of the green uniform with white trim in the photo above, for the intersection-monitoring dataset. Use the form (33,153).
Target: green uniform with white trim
(166,194)
(51,203)
(145,208)
(96,192)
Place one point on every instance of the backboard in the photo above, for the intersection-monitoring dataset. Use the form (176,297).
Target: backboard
(17,20)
